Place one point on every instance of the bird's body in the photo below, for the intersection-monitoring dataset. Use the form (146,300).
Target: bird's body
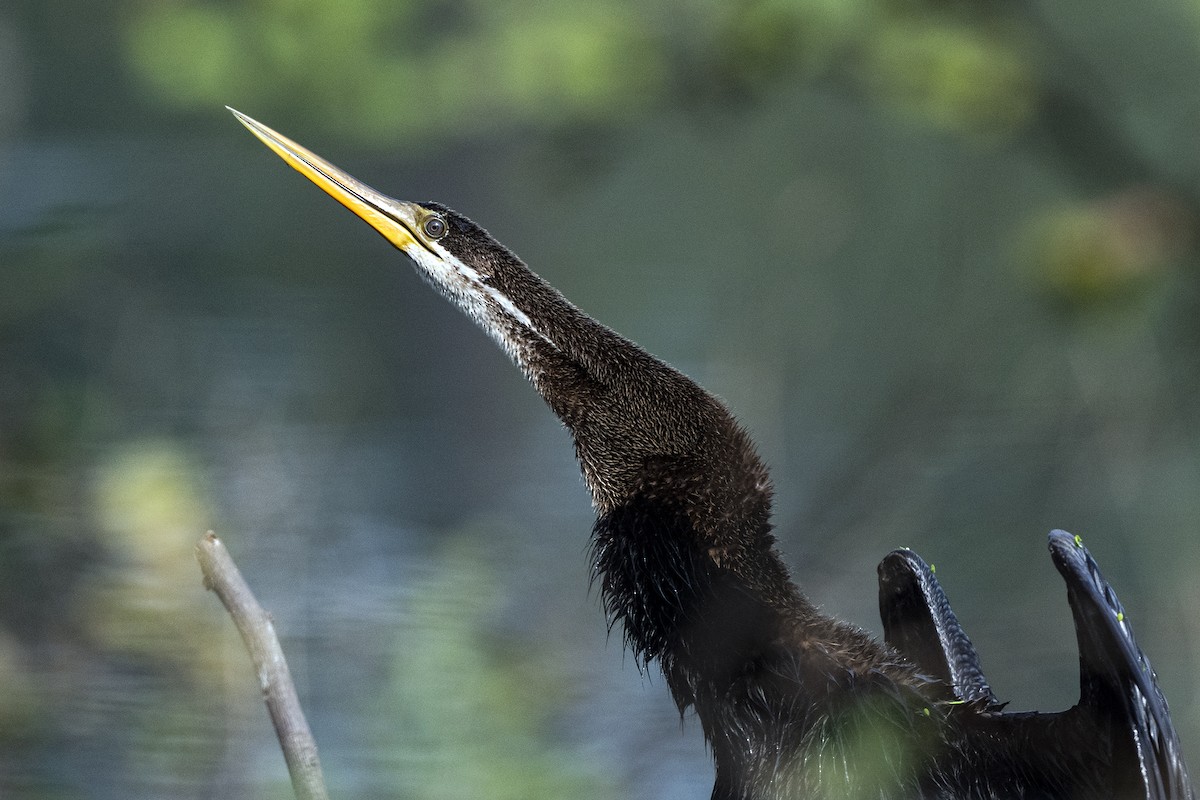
(793,703)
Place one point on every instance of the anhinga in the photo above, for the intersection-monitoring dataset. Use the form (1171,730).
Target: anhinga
(793,703)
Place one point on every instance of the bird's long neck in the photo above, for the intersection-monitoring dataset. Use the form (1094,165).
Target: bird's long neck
(683,551)
(565,353)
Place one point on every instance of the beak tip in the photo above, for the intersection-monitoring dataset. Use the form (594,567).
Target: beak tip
(242,118)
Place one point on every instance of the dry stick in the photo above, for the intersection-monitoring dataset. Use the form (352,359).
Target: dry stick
(221,575)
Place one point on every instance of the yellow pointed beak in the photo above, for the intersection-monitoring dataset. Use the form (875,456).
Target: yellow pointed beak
(396,220)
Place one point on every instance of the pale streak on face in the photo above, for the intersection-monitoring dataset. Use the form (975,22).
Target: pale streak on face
(491,309)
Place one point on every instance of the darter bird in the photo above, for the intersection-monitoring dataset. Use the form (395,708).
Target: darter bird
(793,703)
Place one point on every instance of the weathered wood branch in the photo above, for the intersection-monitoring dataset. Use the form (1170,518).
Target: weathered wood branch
(221,575)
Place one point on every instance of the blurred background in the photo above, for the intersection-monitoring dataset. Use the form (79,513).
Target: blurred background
(940,257)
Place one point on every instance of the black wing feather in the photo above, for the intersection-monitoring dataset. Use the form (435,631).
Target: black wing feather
(1117,682)
(919,623)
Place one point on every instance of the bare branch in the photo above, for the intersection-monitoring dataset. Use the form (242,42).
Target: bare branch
(221,575)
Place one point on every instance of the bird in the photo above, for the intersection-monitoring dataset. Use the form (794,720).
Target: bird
(793,703)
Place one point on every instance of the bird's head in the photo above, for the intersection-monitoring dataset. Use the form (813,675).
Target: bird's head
(450,251)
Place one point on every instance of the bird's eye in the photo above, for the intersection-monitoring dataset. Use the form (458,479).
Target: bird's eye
(434,227)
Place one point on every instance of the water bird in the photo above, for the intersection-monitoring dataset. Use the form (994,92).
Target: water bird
(793,703)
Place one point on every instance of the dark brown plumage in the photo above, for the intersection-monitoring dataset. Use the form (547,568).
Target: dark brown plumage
(793,703)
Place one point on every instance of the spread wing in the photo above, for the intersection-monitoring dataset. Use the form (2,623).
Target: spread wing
(1121,709)
(1117,683)
(919,623)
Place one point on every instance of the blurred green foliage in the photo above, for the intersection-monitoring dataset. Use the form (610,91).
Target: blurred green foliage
(464,719)
(955,76)
(422,70)
(871,751)
(378,70)
(1107,254)
(147,502)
